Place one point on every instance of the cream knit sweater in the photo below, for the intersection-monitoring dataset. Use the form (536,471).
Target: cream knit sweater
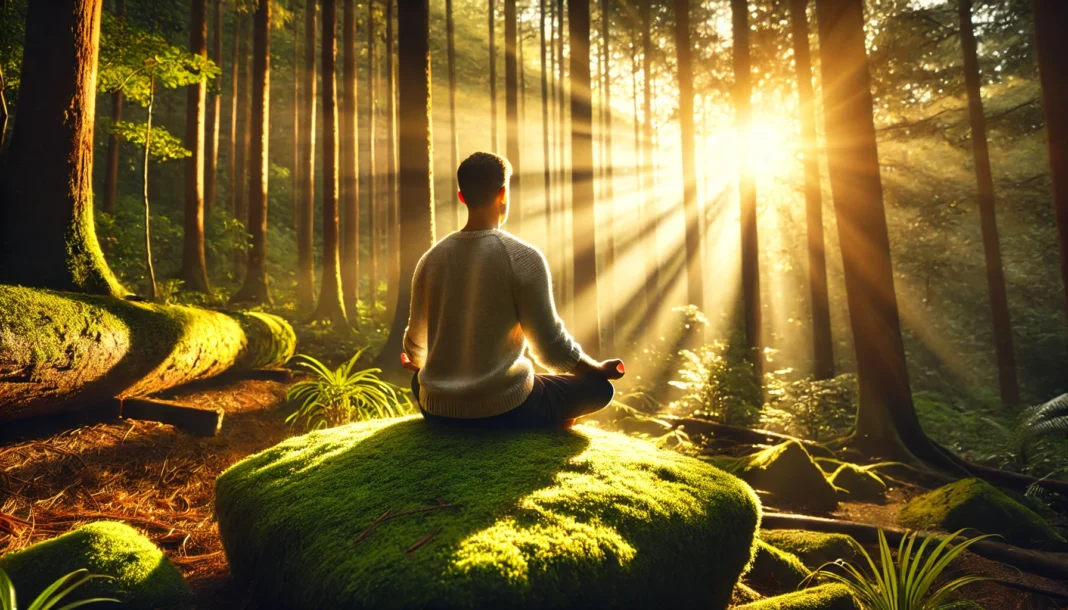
(478,299)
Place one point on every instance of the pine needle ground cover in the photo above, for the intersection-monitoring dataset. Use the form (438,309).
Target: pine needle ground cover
(142,578)
(397,513)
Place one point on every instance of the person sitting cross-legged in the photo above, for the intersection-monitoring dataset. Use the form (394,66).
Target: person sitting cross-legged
(480,296)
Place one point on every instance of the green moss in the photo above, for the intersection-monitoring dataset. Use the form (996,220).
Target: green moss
(744,594)
(143,578)
(539,519)
(774,570)
(823,597)
(813,548)
(786,472)
(858,483)
(977,505)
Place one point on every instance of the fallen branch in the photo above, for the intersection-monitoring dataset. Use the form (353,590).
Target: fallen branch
(199,422)
(390,515)
(421,542)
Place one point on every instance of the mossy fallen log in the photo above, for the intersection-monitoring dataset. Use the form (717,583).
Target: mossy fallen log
(141,576)
(60,351)
(400,514)
(823,597)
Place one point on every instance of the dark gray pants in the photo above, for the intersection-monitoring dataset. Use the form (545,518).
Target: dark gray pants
(554,400)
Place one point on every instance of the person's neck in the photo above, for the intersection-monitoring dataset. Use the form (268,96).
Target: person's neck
(481,222)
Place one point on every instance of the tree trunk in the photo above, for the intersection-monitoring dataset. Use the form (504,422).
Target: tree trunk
(747,187)
(306,217)
(546,165)
(47,230)
(194,268)
(886,420)
(111,170)
(454,145)
(372,161)
(255,288)
(148,216)
(330,305)
(236,167)
(608,191)
(113,347)
(494,143)
(584,226)
(1051,19)
(564,277)
(350,165)
(416,164)
(511,111)
(649,209)
(694,281)
(392,220)
(822,345)
(995,276)
(211,162)
(294,177)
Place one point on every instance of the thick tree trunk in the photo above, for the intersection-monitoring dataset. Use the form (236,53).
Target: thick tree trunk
(454,145)
(306,217)
(372,161)
(546,165)
(194,267)
(492,15)
(511,111)
(236,167)
(649,207)
(684,52)
(822,345)
(1051,20)
(111,170)
(747,187)
(392,220)
(995,276)
(47,230)
(119,348)
(294,177)
(350,164)
(255,289)
(416,165)
(211,162)
(330,305)
(886,420)
(584,226)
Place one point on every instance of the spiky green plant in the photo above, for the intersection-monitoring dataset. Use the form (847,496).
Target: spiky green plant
(54,594)
(1048,419)
(342,395)
(904,584)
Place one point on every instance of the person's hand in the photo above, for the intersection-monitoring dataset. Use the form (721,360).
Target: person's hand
(406,362)
(612,369)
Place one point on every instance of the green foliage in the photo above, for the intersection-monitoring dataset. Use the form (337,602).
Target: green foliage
(787,472)
(342,395)
(907,581)
(163,146)
(54,594)
(813,548)
(814,409)
(535,519)
(823,597)
(1048,419)
(719,382)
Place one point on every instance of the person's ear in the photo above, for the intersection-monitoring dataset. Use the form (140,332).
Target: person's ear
(461,197)
(502,196)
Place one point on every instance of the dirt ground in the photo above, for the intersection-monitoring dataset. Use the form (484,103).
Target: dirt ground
(161,480)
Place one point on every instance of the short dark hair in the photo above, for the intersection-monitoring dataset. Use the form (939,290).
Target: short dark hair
(481,177)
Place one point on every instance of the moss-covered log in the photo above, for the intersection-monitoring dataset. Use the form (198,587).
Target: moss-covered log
(60,351)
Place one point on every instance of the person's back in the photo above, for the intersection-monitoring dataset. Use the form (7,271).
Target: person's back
(480,297)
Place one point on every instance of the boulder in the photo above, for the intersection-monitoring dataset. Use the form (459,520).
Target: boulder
(858,483)
(823,597)
(142,577)
(788,474)
(774,570)
(814,549)
(977,505)
(398,513)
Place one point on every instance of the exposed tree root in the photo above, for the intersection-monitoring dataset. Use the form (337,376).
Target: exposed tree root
(744,435)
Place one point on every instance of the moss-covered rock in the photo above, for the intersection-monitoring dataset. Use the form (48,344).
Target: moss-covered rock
(518,519)
(814,549)
(786,472)
(858,483)
(142,576)
(774,570)
(823,597)
(975,504)
(61,350)
(744,594)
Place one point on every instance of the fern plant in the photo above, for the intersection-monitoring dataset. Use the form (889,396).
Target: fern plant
(54,594)
(339,396)
(904,584)
(1048,419)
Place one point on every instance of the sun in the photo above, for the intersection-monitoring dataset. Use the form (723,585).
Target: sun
(769,149)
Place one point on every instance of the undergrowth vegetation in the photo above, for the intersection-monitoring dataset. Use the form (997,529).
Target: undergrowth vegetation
(338,396)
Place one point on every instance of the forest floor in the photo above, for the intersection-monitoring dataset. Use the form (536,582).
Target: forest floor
(162,481)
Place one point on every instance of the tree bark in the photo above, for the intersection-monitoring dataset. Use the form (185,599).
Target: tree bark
(306,217)
(194,270)
(416,165)
(649,210)
(747,187)
(211,161)
(584,226)
(47,230)
(372,161)
(822,344)
(684,53)
(392,220)
(148,215)
(350,164)
(255,288)
(608,191)
(1051,20)
(294,177)
(454,145)
(564,277)
(995,276)
(494,142)
(236,167)
(111,170)
(123,348)
(546,164)
(511,111)
(886,419)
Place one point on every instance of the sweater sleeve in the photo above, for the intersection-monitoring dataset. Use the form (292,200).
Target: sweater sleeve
(415,335)
(550,343)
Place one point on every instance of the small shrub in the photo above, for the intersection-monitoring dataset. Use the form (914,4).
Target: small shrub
(342,395)
(54,594)
(719,381)
(813,409)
